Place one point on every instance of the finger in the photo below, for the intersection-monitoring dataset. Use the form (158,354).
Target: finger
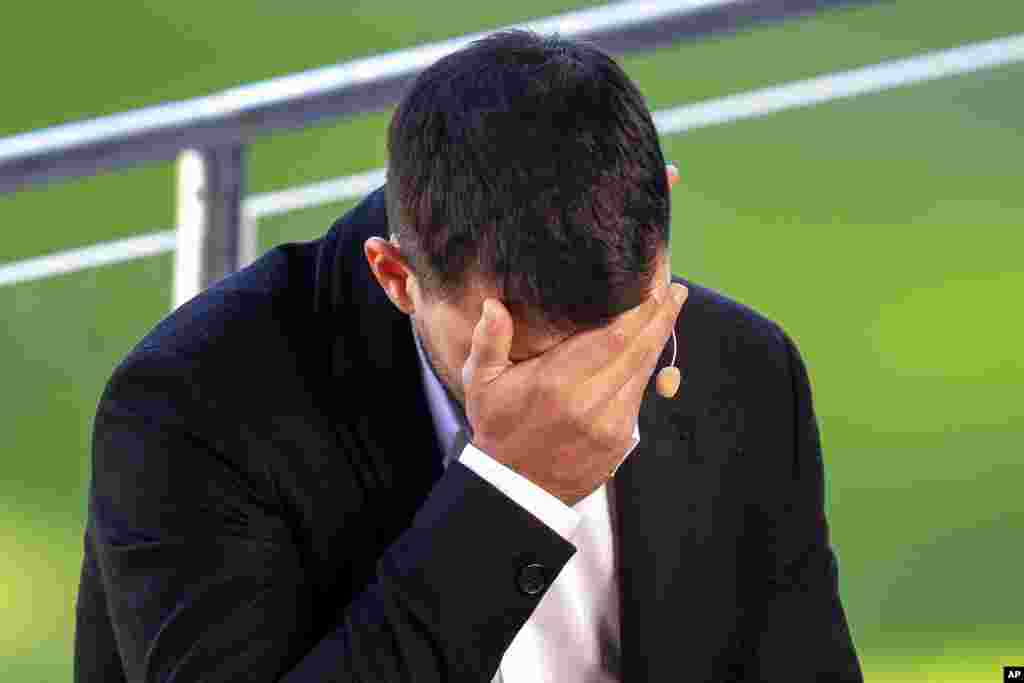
(621,412)
(643,351)
(491,345)
(635,389)
(626,402)
(582,356)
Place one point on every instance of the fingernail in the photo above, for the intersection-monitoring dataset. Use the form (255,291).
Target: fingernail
(679,293)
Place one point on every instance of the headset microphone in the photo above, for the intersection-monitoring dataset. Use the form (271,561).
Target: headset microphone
(668,379)
(667,382)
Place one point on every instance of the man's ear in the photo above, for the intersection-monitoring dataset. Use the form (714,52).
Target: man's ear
(391,271)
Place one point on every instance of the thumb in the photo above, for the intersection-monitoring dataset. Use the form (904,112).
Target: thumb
(492,342)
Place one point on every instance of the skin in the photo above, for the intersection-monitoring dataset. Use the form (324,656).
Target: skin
(445,329)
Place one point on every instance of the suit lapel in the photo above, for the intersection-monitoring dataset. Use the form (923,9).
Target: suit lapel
(649,496)
(663,495)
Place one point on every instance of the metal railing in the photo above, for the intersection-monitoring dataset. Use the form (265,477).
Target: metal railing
(216,226)
(208,135)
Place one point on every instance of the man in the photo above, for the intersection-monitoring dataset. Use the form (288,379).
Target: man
(439,457)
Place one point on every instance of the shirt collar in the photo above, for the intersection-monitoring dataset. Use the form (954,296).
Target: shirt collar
(447,420)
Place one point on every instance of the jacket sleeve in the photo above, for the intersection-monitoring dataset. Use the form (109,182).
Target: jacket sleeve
(204,581)
(802,633)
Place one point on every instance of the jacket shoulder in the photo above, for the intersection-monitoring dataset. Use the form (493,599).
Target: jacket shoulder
(257,298)
(711,317)
(250,328)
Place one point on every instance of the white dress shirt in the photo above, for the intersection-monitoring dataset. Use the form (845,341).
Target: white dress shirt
(573,634)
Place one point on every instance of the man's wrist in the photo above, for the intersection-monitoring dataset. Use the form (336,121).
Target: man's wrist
(546,507)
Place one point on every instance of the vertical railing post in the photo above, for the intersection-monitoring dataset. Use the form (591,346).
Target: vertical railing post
(249,237)
(209,218)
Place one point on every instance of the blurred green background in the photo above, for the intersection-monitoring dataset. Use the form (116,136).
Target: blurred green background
(882,232)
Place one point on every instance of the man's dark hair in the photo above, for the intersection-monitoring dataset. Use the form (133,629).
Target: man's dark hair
(532,163)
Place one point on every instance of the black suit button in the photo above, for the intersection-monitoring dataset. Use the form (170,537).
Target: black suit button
(532,579)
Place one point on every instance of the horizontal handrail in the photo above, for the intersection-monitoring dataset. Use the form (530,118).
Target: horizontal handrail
(232,117)
(764,101)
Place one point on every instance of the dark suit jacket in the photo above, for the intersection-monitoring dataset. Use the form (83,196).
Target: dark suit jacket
(268,503)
